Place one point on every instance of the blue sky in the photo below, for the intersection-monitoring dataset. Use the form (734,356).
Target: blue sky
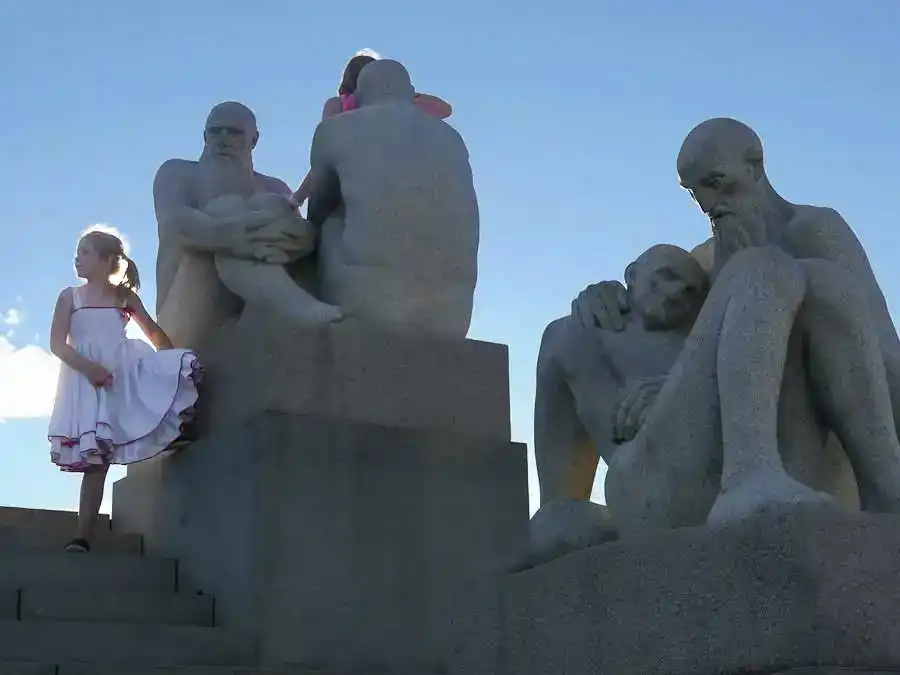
(573,113)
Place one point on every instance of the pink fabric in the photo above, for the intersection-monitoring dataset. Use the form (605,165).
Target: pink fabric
(428,106)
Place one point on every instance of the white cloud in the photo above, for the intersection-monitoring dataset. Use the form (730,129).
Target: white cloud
(28,375)
(12,317)
(27,381)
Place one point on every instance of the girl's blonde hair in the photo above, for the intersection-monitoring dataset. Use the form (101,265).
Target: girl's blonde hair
(109,244)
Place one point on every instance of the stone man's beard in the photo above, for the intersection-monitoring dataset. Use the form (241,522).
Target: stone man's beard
(224,175)
(744,227)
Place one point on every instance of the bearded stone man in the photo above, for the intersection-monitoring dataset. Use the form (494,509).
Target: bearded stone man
(225,231)
(794,340)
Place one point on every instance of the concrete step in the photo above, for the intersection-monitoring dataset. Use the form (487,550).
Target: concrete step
(52,537)
(27,669)
(64,642)
(45,518)
(47,603)
(9,603)
(94,669)
(86,571)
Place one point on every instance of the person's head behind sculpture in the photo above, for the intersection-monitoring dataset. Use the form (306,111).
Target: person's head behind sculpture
(353,69)
(384,80)
(230,134)
(721,165)
(666,287)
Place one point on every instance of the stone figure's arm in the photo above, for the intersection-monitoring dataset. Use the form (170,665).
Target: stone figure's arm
(824,234)
(325,194)
(175,214)
(565,454)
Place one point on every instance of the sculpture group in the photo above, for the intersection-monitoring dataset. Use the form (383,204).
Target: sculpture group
(391,237)
(751,374)
(712,394)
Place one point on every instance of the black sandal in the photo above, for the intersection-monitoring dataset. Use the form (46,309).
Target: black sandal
(78,545)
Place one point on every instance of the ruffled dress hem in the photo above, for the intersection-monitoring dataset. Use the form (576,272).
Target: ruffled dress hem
(96,448)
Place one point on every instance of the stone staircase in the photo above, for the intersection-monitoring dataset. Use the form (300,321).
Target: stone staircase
(110,612)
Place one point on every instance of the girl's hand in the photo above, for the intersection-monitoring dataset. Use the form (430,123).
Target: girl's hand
(99,376)
(296,200)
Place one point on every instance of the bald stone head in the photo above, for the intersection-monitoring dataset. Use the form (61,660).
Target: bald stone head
(721,164)
(384,80)
(666,287)
(230,132)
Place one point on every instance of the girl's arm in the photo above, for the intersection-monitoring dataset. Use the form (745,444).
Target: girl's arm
(434,105)
(59,333)
(151,329)
(302,193)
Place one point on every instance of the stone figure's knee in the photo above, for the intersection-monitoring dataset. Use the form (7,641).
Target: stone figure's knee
(767,269)
(828,282)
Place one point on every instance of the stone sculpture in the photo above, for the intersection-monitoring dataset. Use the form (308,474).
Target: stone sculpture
(594,389)
(794,340)
(225,232)
(394,196)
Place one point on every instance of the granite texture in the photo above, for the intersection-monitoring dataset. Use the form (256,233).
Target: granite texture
(766,595)
(396,201)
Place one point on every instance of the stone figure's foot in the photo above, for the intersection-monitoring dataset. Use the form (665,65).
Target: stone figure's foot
(880,500)
(762,491)
(562,527)
(315,313)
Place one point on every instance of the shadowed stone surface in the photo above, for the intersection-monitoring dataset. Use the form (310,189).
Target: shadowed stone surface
(772,593)
(342,544)
(358,373)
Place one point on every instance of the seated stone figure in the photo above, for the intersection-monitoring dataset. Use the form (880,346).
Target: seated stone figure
(392,191)
(595,387)
(794,341)
(265,284)
(219,220)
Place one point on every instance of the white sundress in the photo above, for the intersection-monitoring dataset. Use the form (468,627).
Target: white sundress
(139,415)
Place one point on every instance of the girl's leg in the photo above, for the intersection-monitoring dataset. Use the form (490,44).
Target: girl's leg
(92,486)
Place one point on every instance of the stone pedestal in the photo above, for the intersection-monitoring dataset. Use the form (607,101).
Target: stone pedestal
(340,531)
(813,590)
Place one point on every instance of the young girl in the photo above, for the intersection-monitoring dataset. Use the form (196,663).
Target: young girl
(118,401)
(346,100)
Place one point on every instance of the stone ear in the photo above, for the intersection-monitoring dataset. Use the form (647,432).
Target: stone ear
(629,274)
(254,141)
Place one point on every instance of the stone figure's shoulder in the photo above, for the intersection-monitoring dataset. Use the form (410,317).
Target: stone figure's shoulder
(271,184)
(177,167)
(816,218)
(562,337)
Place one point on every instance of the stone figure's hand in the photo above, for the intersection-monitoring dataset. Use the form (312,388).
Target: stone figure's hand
(636,400)
(280,240)
(601,305)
